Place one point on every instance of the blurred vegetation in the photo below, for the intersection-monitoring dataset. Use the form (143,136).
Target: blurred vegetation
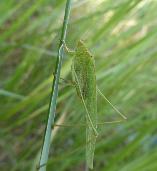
(122,37)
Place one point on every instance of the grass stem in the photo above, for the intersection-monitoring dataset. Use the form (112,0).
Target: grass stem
(54,95)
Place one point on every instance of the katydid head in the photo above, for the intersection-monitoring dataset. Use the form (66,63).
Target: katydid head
(81,46)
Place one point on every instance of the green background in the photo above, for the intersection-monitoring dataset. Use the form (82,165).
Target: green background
(122,36)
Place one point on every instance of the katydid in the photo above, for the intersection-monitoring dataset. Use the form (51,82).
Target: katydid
(84,78)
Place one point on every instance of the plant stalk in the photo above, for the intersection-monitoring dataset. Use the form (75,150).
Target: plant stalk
(54,94)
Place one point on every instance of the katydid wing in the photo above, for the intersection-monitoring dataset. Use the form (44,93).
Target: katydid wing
(83,72)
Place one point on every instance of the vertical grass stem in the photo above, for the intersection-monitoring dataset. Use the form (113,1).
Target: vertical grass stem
(54,95)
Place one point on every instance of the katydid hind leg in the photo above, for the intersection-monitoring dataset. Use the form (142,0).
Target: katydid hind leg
(104,97)
(91,131)
(87,112)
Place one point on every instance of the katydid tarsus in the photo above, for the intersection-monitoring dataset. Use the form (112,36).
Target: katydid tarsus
(84,78)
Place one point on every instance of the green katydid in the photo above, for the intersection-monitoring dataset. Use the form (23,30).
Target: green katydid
(84,77)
